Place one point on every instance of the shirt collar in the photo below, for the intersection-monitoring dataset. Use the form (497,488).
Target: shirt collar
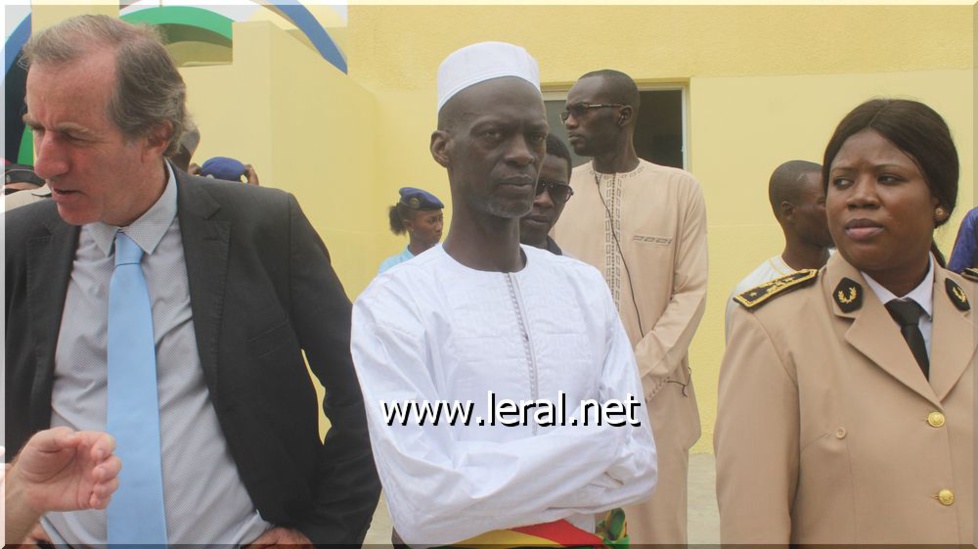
(923,294)
(616,175)
(148,230)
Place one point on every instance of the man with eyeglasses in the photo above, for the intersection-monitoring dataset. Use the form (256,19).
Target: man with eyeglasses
(553,192)
(644,226)
(480,320)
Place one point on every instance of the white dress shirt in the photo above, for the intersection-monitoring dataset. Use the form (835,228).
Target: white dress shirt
(923,294)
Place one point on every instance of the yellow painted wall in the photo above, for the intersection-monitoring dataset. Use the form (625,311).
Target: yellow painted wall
(306,127)
(46,14)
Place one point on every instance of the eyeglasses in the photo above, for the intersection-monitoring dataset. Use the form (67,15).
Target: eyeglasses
(580,109)
(559,192)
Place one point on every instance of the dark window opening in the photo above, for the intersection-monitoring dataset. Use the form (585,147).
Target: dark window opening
(658,133)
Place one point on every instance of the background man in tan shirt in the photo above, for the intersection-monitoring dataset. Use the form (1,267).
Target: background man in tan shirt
(644,226)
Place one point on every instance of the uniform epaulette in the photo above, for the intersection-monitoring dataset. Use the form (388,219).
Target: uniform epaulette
(755,297)
(971,274)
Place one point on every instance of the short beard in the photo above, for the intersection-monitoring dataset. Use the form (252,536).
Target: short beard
(511,210)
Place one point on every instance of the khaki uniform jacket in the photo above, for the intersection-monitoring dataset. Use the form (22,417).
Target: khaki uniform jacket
(828,432)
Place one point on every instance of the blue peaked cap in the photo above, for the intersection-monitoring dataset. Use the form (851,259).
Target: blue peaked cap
(419,199)
(222,167)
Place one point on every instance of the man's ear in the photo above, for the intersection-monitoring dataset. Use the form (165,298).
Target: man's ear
(158,139)
(787,211)
(440,147)
(625,115)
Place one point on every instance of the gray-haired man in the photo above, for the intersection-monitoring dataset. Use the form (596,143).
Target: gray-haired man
(235,284)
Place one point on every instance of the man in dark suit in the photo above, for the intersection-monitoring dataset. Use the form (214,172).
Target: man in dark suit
(239,285)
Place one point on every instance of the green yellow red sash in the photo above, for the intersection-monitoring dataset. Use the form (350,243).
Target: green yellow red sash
(611,532)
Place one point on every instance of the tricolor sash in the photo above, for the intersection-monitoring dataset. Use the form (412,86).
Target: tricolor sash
(610,532)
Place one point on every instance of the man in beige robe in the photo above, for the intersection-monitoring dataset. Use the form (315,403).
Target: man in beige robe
(644,226)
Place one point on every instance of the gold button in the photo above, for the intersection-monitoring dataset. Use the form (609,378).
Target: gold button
(840,433)
(946,497)
(935,419)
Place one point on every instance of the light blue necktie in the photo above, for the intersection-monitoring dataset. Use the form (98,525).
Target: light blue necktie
(135,515)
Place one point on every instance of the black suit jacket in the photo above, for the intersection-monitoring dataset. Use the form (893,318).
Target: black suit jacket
(262,291)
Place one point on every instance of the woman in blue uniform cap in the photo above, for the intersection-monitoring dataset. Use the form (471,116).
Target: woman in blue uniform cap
(419,214)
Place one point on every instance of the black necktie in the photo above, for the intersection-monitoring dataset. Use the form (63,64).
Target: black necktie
(907,314)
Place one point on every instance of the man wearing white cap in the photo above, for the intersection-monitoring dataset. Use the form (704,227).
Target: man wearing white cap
(515,338)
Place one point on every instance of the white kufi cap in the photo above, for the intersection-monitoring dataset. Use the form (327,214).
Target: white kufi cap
(484,61)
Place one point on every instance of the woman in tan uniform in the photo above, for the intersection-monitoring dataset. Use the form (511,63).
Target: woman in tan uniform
(840,421)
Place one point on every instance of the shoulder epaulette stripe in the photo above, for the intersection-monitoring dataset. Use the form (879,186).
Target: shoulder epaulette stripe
(970,273)
(756,296)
